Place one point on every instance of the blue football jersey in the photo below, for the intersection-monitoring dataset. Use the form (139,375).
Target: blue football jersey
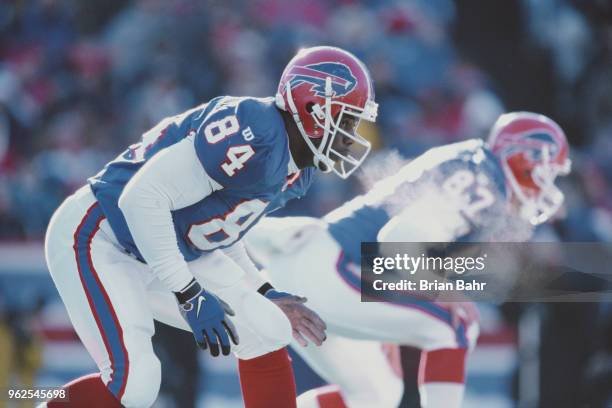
(467,167)
(242,145)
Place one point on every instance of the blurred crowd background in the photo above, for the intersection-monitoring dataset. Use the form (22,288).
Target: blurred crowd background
(81,80)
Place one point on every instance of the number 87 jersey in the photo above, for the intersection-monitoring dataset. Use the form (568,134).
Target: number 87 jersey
(242,146)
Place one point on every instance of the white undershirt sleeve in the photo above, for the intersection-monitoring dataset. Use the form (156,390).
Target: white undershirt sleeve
(238,253)
(172,179)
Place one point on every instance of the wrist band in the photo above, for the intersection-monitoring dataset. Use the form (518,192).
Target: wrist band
(189,292)
(265,288)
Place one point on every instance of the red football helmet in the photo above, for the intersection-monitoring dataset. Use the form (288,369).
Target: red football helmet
(318,87)
(533,151)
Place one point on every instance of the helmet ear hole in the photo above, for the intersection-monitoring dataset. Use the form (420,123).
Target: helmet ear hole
(309,106)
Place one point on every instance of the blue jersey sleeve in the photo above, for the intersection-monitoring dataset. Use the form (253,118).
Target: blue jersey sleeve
(242,145)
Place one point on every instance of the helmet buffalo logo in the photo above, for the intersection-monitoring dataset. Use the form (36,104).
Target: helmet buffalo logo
(342,79)
(532,144)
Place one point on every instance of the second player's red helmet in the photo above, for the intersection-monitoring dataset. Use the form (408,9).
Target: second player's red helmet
(533,151)
(319,86)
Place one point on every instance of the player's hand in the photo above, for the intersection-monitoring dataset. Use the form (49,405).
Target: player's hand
(304,322)
(206,314)
(462,311)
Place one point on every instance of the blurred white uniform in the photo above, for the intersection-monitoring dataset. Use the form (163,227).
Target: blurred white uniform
(447,194)
(352,356)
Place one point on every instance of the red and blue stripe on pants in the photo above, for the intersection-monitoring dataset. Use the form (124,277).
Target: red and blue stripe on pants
(99,302)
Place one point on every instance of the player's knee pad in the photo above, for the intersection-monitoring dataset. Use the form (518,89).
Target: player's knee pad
(144,380)
(263,327)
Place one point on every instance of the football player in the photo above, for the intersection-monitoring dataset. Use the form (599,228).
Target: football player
(135,236)
(458,192)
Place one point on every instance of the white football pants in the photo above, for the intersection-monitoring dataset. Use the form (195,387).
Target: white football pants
(112,299)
